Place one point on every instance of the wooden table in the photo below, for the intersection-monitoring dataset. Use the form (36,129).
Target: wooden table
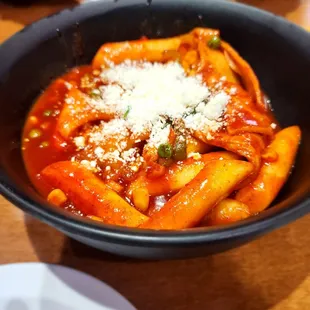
(270,273)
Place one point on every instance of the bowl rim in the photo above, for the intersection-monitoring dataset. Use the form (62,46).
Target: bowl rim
(266,221)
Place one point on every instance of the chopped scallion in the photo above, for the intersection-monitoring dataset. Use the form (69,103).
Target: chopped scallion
(165,150)
(214,42)
(179,150)
(127,112)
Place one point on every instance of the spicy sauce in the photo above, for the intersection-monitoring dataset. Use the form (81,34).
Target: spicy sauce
(42,147)
(39,147)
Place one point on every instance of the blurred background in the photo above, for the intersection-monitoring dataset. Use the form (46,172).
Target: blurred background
(15,14)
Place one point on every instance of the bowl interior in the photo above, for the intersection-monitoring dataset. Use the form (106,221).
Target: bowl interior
(278,52)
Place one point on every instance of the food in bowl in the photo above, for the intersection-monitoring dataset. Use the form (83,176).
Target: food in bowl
(159,134)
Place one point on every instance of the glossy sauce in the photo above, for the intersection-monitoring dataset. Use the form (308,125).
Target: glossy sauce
(48,148)
(72,135)
(41,151)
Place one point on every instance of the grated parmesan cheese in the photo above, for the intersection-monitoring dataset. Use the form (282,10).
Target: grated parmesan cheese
(142,96)
(91,165)
(79,142)
(160,133)
(148,91)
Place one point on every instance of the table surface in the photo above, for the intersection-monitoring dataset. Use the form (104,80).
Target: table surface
(272,272)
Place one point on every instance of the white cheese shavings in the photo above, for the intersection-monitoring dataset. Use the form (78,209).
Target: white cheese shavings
(146,98)
(160,133)
(90,165)
(79,142)
(208,116)
(143,92)
(115,127)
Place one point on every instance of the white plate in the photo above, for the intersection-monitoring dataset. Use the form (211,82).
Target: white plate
(37,286)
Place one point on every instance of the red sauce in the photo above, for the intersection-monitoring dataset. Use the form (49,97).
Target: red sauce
(60,123)
(41,152)
(48,148)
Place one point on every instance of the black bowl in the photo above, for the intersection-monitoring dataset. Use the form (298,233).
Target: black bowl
(278,51)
